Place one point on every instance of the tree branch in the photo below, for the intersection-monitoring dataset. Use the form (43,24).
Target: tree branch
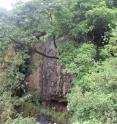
(54,40)
(43,54)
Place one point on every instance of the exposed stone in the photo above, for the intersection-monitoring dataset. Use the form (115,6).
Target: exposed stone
(35,79)
(47,74)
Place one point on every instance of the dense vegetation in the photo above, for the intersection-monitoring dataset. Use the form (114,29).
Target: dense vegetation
(89,28)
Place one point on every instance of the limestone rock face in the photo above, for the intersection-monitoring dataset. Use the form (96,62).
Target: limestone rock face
(47,74)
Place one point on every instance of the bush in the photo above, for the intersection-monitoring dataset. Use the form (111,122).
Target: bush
(99,99)
(22,120)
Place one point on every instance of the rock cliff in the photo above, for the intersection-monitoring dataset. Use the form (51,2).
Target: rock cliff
(47,75)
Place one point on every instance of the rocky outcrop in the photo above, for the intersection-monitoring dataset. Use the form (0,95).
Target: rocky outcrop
(56,83)
(48,80)
(47,75)
(35,78)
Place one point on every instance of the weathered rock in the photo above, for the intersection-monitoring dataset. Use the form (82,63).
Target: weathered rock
(35,79)
(47,74)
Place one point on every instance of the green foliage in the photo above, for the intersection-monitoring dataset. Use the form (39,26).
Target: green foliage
(86,20)
(22,120)
(6,107)
(93,96)
(99,101)
(110,50)
(39,109)
(78,59)
(92,25)
(35,16)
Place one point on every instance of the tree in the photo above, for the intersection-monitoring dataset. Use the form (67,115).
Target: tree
(92,61)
